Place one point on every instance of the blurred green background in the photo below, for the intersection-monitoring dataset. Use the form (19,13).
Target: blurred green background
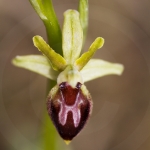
(121,113)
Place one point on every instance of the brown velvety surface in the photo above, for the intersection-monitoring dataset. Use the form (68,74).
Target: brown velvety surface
(69,110)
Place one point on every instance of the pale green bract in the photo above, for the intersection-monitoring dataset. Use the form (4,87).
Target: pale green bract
(71,67)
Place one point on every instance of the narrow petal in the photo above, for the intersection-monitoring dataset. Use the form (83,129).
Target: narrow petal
(96,68)
(83,60)
(57,61)
(72,36)
(36,63)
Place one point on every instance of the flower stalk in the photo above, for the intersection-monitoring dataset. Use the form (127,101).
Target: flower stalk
(45,10)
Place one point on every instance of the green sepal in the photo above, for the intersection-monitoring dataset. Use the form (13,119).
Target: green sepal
(57,61)
(36,63)
(96,68)
(72,36)
(85,57)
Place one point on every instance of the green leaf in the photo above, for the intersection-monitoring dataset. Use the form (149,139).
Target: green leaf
(36,63)
(72,36)
(44,9)
(96,68)
(85,57)
(84,12)
(57,61)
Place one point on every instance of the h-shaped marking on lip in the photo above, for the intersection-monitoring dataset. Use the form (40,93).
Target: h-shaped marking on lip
(64,109)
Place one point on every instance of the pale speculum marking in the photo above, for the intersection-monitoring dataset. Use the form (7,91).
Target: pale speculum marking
(75,109)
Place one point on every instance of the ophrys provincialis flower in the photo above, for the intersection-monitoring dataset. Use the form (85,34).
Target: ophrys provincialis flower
(69,103)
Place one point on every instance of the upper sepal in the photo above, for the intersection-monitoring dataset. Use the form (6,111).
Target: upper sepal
(72,36)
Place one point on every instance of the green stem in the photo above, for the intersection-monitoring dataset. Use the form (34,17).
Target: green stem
(50,136)
(45,10)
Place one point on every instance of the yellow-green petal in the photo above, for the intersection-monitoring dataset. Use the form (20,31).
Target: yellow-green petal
(72,36)
(96,68)
(36,63)
(85,57)
(57,61)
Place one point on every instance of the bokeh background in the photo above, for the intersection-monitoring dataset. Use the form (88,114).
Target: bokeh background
(121,113)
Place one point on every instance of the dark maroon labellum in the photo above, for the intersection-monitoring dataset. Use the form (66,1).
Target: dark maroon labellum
(69,110)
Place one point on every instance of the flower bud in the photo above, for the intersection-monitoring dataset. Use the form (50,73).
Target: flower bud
(69,108)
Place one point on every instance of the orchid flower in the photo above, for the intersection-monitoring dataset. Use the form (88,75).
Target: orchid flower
(69,103)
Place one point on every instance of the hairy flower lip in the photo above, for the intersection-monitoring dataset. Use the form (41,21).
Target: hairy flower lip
(69,109)
(69,94)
